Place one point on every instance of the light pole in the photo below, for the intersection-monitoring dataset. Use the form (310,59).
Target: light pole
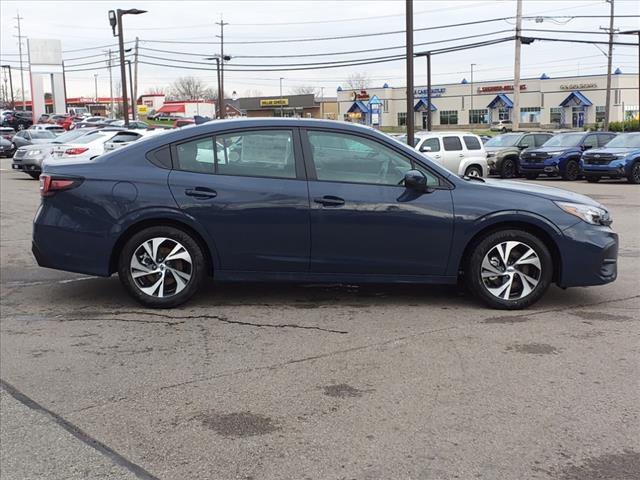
(221,107)
(281,99)
(115,20)
(471,109)
(635,32)
(95,81)
(133,102)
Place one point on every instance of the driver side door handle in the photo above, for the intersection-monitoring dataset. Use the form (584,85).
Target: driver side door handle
(201,192)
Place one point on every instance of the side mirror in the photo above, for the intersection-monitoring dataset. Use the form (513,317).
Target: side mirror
(416,180)
(425,148)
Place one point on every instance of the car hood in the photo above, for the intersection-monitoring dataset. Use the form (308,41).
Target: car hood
(39,146)
(550,193)
(553,149)
(497,149)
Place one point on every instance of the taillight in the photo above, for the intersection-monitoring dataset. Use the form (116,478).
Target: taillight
(50,185)
(75,151)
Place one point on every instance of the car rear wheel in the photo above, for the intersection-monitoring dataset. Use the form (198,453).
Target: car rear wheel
(571,171)
(473,171)
(634,176)
(161,267)
(509,269)
(508,169)
(591,179)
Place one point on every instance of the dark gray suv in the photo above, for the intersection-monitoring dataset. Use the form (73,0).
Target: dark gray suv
(503,151)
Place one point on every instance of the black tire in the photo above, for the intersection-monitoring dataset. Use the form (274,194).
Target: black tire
(592,179)
(530,176)
(473,171)
(634,176)
(34,175)
(504,129)
(571,171)
(509,168)
(486,245)
(197,268)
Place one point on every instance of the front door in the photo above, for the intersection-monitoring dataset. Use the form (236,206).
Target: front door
(250,195)
(363,220)
(578,119)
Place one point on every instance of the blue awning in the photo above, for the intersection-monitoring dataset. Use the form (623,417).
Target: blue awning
(358,106)
(422,105)
(501,100)
(577,99)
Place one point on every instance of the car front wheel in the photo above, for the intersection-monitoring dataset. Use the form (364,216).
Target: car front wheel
(161,267)
(509,269)
(571,171)
(634,176)
(508,169)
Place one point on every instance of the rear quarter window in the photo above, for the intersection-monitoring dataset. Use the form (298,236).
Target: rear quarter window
(472,143)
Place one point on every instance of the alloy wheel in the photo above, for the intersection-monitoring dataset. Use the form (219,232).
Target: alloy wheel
(635,173)
(511,270)
(473,172)
(161,267)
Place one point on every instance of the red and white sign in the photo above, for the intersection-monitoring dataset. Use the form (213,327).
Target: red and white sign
(500,88)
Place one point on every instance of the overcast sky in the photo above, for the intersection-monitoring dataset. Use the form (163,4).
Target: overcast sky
(84,24)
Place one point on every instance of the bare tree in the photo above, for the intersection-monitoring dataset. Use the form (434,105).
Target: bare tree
(187,88)
(155,91)
(358,81)
(303,90)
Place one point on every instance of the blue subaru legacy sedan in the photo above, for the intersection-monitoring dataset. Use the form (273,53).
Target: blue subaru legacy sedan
(560,155)
(310,201)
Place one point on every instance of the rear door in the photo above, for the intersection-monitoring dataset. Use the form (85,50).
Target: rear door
(453,152)
(247,188)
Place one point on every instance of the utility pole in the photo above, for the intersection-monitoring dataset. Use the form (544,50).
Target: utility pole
(133,103)
(221,36)
(112,111)
(607,105)
(409,46)
(429,121)
(18,18)
(322,102)
(95,80)
(281,106)
(64,86)
(471,109)
(515,121)
(134,88)
(13,102)
(123,73)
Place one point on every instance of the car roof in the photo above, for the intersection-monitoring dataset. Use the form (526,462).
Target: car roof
(442,132)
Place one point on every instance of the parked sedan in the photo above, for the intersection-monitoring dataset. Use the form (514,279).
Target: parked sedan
(32,137)
(311,201)
(53,128)
(30,158)
(560,155)
(620,158)
(7,148)
(7,133)
(90,147)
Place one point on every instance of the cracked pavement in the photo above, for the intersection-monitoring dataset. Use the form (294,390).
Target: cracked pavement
(257,381)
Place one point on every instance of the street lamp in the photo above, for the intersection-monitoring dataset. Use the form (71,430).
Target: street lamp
(115,20)
(471,109)
(95,80)
(221,107)
(281,102)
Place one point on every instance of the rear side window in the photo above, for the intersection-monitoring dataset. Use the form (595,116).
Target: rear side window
(591,141)
(472,143)
(451,144)
(160,157)
(604,139)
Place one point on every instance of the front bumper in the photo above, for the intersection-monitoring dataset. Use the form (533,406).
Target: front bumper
(614,170)
(590,256)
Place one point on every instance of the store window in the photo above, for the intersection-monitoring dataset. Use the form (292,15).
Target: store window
(479,116)
(504,113)
(385,106)
(402,119)
(600,114)
(530,115)
(555,115)
(448,117)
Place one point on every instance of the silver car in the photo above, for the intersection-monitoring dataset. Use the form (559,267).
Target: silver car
(29,158)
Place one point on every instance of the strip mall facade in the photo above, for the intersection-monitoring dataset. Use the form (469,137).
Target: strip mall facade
(567,102)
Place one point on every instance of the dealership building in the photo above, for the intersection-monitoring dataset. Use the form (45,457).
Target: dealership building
(563,102)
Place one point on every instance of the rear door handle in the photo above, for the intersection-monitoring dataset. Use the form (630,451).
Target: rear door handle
(329,201)
(201,192)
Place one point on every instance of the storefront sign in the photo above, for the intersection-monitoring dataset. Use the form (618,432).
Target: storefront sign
(578,86)
(499,88)
(361,95)
(274,102)
(424,93)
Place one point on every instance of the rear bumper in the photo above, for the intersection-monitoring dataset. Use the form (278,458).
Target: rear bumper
(590,256)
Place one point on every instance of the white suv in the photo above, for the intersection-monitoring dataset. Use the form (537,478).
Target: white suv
(460,152)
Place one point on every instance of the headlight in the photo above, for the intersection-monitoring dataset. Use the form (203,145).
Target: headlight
(587,213)
(553,154)
(621,155)
(33,153)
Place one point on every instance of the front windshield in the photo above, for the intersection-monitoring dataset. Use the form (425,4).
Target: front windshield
(564,140)
(508,140)
(628,140)
(69,136)
(42,134)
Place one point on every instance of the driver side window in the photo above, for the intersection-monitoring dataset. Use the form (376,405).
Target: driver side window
(340,157)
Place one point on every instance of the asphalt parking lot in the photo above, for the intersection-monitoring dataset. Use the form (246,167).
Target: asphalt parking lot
(315,382)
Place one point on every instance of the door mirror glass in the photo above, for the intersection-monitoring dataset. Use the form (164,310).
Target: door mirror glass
(416,180)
